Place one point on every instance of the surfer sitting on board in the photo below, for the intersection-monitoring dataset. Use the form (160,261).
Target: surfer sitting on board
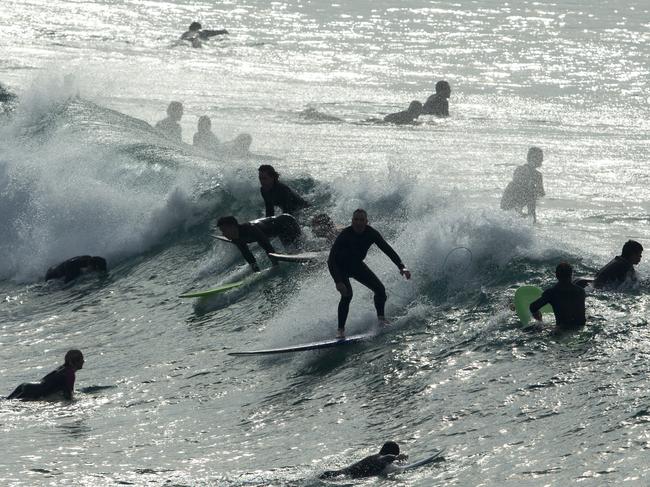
(204,138)
(346,261)
(566,298)
(170,126)
(60,380)
(621,268)
(437,104)
(370,466)
(407,116)
(261,231)
(195,35)
(527,185)
(276,193)
(73,268)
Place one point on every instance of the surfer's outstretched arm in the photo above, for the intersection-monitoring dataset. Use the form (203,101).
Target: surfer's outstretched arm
(206,34)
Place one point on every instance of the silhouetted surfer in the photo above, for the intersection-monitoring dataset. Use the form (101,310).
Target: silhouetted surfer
(527,185)
(437,104)
(346,261)
(407,116)
(239,146)
(73,268)
(278,194)
(566,298)
(261,231)
(621,268)
(60,380)
(170,125)
(373,465)
(195,34)
(204,138)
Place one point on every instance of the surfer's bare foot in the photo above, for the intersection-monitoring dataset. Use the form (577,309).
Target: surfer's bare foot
(340,334)
(382,321)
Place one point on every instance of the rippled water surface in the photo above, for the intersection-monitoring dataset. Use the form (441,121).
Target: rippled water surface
(159,401)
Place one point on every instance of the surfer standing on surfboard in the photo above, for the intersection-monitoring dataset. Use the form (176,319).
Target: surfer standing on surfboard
(567,299)
(346,261)
(261,231)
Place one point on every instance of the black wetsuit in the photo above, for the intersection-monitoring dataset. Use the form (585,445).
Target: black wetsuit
(436,105)
(401,118)
(261,231)
(60,380)
(368,467)
(72,268)
(283,196)
(617,271)
(346,261)
(568,301)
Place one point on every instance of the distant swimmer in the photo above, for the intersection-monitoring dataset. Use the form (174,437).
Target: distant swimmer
(566,298)
(346,261)
(195,34)
(437,104)
(261,231)
(373,465)
(73,268)
(59,381)
(278,194)
(322,226)
(620,269)
(239,146)
(527,185)
(170,125)
(407,116)
(204,138)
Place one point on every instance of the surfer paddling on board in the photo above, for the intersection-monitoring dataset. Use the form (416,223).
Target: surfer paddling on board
(378,464)
(261,231)
(408,116)
(527,185)
(566,298)
(59,381)
(73,268)
(278,194)
(346,261)
(621,268)
(195,34)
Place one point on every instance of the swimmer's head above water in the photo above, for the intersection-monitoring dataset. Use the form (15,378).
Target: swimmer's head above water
(74,359)
(443,88)
(204,124)
(535,157)
(389,448)
(175,110)
(194,27)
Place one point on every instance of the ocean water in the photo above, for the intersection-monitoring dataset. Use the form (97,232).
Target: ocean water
(159,401)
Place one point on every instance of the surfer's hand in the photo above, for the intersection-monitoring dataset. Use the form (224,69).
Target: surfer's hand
(255,267)
(340,287)
(537,315)
(405,272)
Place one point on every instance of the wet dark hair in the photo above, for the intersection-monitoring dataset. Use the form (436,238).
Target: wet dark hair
(98,263)
(360,210)
(270,170)
(442,85)
(73,356)
(389,448)
(564,271)
(227,221)
(631,247)
(195,26)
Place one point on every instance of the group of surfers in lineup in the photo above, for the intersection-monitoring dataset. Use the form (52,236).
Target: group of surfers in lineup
(348,248)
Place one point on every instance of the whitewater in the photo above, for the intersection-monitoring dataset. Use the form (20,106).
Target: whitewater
(159,400)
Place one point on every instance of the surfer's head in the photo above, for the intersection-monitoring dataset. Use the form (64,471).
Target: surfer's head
(443,88)
(632,251)
(564,272)
(175,110)
(415,108)
(268,176)
(535,156)
(204,124)
(229,227)
(74,359)
(194,27)
(359,220)
(389,448)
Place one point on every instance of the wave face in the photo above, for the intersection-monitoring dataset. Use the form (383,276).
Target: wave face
(160,401)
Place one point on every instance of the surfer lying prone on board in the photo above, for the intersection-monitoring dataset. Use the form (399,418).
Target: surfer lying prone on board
(261,231)
(346,261)
(567,299)
(195,34)
(378,464)
(60,381)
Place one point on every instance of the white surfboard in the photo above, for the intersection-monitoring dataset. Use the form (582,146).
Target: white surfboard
(301,257)
(335,342)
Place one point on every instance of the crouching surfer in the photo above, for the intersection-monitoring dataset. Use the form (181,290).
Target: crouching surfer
(261,231)
(378,464)
(60,381)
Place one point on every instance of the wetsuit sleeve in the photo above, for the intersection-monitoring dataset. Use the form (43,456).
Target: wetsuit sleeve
(264,242)
(388,250)
(334,269)
(206,34)
(246,252)
(268,203)
(535,306)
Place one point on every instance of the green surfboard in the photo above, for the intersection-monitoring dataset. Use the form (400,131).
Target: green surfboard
(524,296)
(213,291)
